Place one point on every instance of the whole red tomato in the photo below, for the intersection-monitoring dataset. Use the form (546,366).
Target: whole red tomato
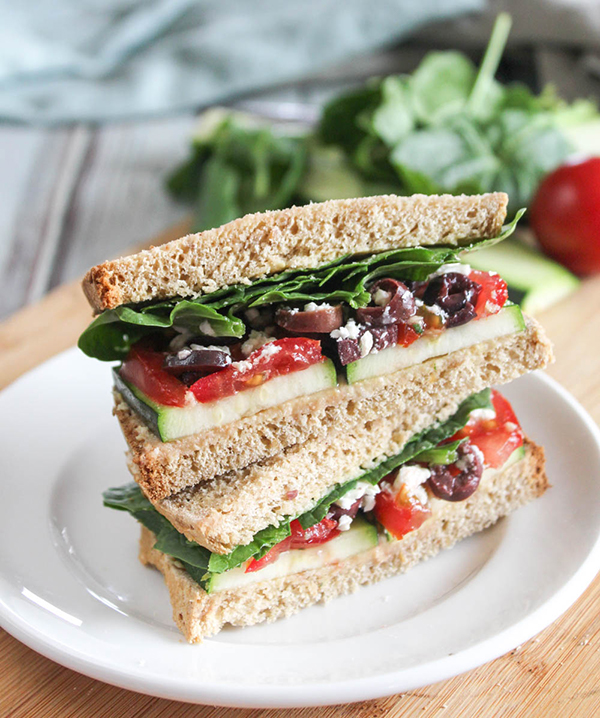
(565,216)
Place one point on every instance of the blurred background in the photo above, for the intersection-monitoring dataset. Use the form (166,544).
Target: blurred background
(106,140)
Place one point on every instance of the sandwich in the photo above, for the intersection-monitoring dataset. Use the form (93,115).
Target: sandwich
(278,328)
(305,398)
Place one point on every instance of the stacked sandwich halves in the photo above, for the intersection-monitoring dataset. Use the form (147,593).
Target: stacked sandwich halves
(306,399)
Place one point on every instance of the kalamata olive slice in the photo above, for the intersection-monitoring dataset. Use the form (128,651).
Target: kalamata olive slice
(458,481)
(348,350)
(196,360)
(384,337)
(322,320)
(399,307)
(451,292)
(463,316)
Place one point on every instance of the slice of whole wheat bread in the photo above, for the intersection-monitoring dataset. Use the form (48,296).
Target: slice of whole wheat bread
(199,615)
(384,411)
(300,237)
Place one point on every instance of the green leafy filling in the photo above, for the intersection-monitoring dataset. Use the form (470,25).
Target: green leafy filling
(202,564)
(110,336)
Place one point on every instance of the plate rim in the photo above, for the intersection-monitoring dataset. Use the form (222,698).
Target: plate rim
(325,693)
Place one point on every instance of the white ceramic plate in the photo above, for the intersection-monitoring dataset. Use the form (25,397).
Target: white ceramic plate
(72,589)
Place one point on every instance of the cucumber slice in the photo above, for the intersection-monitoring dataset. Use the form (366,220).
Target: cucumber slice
(517,455)
(361,536)
(174,422)
(539,280)
(507,321)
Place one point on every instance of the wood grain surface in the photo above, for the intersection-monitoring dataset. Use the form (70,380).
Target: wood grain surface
(555,674)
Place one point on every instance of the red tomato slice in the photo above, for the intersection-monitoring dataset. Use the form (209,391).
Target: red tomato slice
(400,516)
(300,538)
(322,532)
(293,354)
(493,295)
(144,369)
(496,438)
(406,335)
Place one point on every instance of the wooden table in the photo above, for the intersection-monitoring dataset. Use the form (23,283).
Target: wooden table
(555,674)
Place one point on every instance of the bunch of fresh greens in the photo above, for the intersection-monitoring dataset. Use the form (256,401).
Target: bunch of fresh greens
(238,166)
(110,336)
(202,564)
(447,127)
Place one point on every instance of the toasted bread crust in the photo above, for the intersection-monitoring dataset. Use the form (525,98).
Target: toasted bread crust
(389,409)
(199,615)
(299,237)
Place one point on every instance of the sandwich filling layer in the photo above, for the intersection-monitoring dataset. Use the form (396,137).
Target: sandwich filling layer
(446,462)
(191,365)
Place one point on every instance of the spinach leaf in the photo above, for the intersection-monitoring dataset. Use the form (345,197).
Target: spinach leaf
(110,336)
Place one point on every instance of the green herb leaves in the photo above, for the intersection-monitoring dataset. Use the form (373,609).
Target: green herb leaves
(110,336)
(238,165)
(449,127)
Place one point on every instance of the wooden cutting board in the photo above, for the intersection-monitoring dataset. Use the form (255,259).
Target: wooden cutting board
(555,674)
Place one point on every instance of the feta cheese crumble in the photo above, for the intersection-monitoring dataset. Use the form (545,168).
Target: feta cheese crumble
(381,297)
(365,344)
(412,478)
(481,415)
(363,490)
(344,522)
(255,341)
(350,331)
(312,306)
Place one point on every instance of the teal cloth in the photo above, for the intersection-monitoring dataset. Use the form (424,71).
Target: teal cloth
(68,60)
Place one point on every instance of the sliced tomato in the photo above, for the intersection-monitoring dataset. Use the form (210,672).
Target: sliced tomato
(271,556)
(322,532)
(493,295)
(399,514)
(406,335)
(300,538)
(277,358)
(143,368)
(496,438)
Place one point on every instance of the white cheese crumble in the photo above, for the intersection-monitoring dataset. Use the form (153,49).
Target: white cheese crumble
(242,365)
(270,350)
(206,328)
(350,331)
(456,267)
(363,490)
(381,297)
(312,306)
(212,347)
(184,353)
(365,344)
(344,522)
(434,309)
(412,478)
(255,341)
(481,415)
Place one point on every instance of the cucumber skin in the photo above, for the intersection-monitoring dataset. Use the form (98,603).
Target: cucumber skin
(138,401)
(156,416)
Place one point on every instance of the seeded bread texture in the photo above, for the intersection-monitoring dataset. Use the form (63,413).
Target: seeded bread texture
(199,615)
(396,405)
(300,237)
